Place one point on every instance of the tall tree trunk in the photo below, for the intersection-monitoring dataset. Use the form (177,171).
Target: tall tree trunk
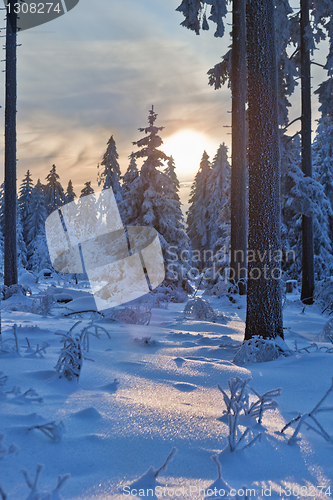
(238,171)
(307,225)
(264,301)
(10,267)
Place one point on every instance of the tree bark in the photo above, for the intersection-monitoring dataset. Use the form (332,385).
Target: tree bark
(264,298)
(238,170)
(10,257)
(307,225)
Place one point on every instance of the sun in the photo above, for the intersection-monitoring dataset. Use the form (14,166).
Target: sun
(186,147)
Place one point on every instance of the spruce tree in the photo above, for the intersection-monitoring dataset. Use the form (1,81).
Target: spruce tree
(24,201)
(198,213)
(218,186)
(110,175)
(170,171)
(70,195)
(87,189)
(38,255)
(55,196)
(157,206)
(130,207)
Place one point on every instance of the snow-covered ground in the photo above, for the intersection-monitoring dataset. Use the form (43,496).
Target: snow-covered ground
(139,399)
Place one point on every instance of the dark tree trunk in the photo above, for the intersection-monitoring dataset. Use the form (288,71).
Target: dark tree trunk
(264,300)
(307,226)
(238,171)
(10,267)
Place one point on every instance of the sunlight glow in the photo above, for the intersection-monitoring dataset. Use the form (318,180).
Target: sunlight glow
(187,148)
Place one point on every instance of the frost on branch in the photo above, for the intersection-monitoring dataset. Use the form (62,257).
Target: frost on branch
(36,493)
(238,403)
(52,430)
(148,480)
(239,399)
(198,308)
(71,356)
(260,350)
(306,418)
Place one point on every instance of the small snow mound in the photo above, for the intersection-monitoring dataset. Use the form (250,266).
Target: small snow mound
(184,387)
(88,413)
(198,308)
(260,350)
(42,374)
(111,387)
(27,278)
(63,298)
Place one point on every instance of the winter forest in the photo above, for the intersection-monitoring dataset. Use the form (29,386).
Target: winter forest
(218,383)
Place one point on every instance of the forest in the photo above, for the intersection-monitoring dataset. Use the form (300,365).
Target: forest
(218,382)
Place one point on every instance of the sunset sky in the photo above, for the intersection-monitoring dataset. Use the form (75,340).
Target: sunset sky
(96,71)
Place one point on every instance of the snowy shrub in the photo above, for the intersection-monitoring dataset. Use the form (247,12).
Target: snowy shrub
(328,330)
(11,345)
(235,437)
(19,289)
(198,308)
(324,293)
(71,356)
(260,350)
(36,493)
(239,399)
(70,360)
(306,418)
(52,430)
(5,451)
(138,315)
(148,480)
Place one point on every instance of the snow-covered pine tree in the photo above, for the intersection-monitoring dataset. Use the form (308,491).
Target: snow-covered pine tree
(38,255)
(218,186)
(24,200)
(170,171)
(198,214)
(55,196)
(70,195)
(157,206)
(21,243)
(87,208)
(130,208)
(110,175)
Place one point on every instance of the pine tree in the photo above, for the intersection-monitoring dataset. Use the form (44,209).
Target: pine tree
(218,186)
(70,195)
(38,255)
(170,171)
(21,243)
(157,206)
(198,213)
(55,196)
(87,189)
(110,176)
(130,207)
(24,201)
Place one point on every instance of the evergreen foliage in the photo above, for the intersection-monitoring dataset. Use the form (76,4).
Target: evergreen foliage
(218,187)
(198,213)
(70,195)
(24,201)
(55,196)
(37,251)
(130,207)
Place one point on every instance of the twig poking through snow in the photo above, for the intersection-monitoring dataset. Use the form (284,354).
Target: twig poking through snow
(302,419)
(167,460)
(52,430)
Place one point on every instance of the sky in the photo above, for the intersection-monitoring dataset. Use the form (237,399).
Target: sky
(96,72)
